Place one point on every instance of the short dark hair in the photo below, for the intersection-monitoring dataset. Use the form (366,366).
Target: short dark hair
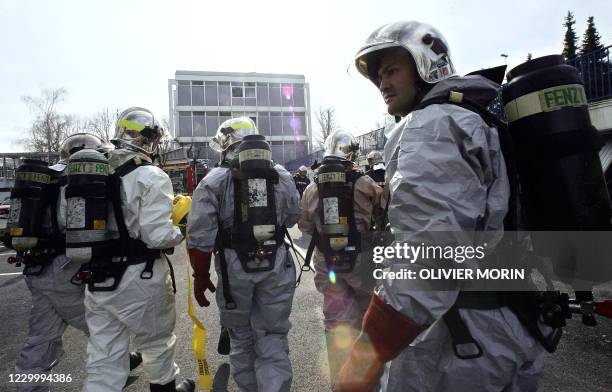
(375,58)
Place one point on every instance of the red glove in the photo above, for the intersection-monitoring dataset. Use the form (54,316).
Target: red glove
(200,262)
(604,308)
(385,333)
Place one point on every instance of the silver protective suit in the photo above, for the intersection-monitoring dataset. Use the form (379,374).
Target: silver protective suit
(447,173)
(56,303)
(141,308)
(259,325)
(347,296)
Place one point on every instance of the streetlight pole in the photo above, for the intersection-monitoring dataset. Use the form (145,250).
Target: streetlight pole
(505,56)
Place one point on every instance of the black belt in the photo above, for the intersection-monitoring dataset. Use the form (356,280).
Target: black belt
(485,300)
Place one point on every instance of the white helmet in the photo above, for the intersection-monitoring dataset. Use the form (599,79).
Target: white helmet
(374,157)
(77,142)
(425,44)
(302,170)
(341,144)
(137,129)
(231,132)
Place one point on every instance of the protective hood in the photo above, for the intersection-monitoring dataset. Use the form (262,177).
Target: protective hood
(475,87)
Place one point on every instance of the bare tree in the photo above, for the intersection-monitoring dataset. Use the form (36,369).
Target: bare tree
(327,124)
(49,127)
(388,121)
(101,125)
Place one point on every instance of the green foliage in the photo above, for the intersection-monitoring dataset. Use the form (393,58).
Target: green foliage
(591,40)
(569,42)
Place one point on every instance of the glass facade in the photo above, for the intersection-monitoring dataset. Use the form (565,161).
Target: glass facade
(278,109)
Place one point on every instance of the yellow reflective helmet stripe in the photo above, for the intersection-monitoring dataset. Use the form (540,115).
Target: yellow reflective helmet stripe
(242,125)
(133,125)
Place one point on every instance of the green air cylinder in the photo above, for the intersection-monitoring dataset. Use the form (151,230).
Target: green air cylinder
(556,147)
(29,199)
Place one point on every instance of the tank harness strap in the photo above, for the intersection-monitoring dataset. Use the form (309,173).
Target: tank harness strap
(230,304)
(129,246)
(506,143)
(462,339)
(303,267)
(149,268)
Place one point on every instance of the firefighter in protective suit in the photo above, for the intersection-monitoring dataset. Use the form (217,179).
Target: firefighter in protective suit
(447,174)
(377,168)
(301,179)
(142,305)
(345,294)
(56,303)
(254,295)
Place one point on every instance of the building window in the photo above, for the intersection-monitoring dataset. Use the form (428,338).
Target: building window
(197,93)
(211,94)
(262,95)
(298,96)
(212,123)
(277,152)
(275,94)
(288,151)
(237,92)
(276,124)
(225,94)
(287,95)
(199,124)
(185,129)
(223,116)
(184,93)
(263,123)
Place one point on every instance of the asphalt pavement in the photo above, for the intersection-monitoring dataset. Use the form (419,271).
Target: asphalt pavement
(583,361)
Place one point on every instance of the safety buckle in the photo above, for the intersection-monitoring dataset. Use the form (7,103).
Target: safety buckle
(306,268)
(146,274)
(465,354)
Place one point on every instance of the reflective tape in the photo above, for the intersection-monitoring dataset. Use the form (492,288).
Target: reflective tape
(547,100)
(332,177)
(198,340)
(254,154)
(33,177)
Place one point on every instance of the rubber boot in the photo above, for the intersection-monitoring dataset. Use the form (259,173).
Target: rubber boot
(135,360)
(224,346)
(187,385)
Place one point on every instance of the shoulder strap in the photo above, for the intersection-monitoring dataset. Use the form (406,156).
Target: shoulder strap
(506,143)
(131,165)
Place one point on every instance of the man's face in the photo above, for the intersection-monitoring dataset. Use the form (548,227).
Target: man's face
(398,82)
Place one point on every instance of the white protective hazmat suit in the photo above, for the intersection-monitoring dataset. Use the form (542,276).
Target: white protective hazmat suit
(142,308)
(259,325)
(56,303)
(447,173)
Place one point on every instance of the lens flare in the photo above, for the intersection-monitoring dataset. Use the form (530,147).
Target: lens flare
(332,277)
(288,91)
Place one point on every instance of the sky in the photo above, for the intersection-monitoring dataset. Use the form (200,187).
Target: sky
(116,54)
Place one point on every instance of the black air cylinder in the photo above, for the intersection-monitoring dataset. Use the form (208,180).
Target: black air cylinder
(562,185)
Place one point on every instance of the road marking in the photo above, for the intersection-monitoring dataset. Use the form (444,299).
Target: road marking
(11,273)
(8,254)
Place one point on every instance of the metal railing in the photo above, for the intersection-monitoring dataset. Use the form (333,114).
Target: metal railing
(595,68)
(373,140)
